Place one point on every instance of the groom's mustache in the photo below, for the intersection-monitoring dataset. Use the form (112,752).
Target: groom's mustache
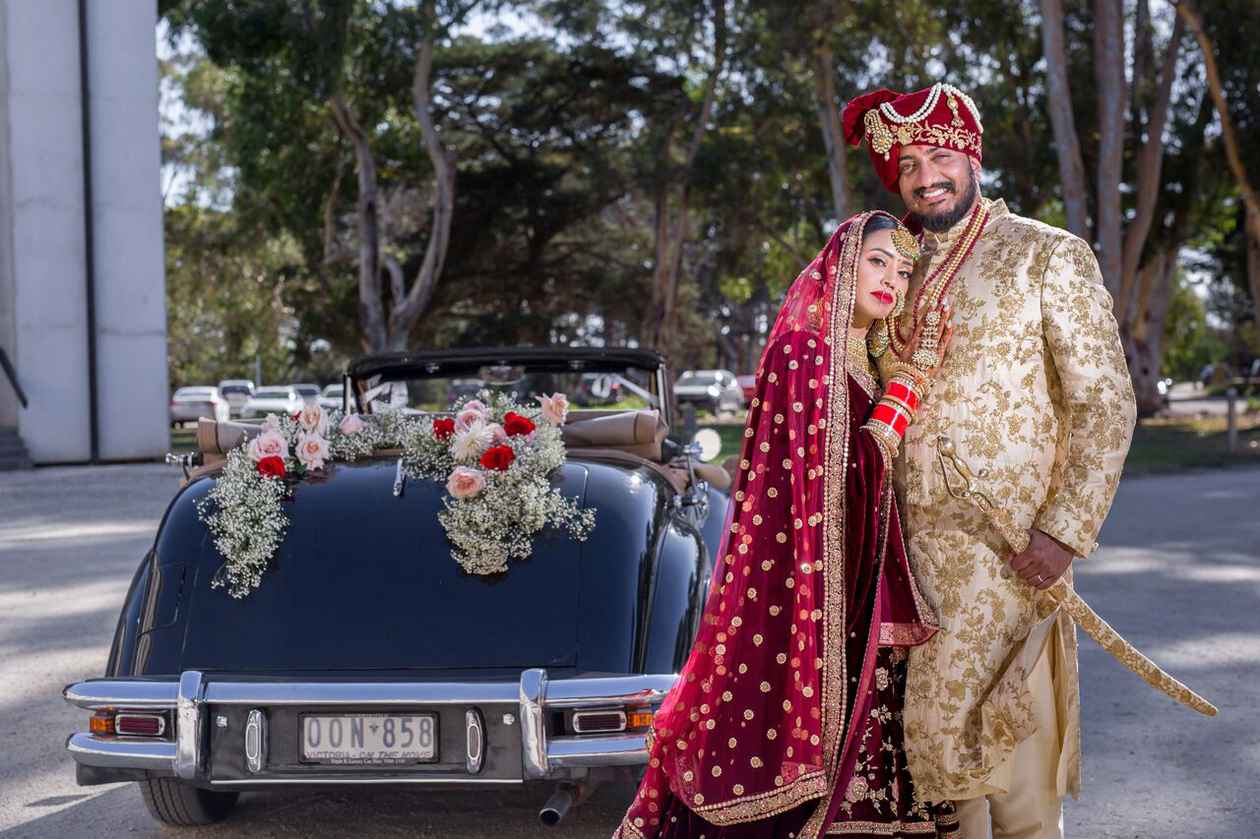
(945,185)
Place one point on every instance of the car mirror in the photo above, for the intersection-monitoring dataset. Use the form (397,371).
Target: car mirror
(710,443)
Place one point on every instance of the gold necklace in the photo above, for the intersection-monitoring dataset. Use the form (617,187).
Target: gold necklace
(859,357)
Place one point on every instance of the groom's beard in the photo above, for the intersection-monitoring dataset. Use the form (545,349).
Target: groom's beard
(940,222)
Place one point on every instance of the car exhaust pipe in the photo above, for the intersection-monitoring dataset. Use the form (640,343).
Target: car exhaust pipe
(558,805)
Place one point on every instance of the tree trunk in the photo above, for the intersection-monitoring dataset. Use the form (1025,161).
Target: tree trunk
(1059,97)
(407,310)
(1109,75)
(1150,165)
(671,232)
(371,308)
(1143,336)
(1251,200)
(833,135)
(1253,259)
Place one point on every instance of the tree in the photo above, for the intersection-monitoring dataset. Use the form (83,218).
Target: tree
(329,57)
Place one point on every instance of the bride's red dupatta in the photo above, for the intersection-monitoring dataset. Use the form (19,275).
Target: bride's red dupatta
(759,722)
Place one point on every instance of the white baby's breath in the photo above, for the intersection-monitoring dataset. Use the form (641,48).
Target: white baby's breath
(247,522)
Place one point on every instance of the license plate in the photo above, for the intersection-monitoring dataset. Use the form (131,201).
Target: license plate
(369,739)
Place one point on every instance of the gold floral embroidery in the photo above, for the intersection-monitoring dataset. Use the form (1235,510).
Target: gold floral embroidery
(1036,391)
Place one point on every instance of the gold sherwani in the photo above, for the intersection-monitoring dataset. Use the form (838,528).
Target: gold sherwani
(1035,390)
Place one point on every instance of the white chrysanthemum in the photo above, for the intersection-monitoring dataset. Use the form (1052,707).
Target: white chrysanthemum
(467,445)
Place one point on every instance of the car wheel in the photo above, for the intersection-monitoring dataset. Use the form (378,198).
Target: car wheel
(176,803)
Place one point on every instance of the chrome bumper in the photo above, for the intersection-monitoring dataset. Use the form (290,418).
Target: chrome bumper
(531,698)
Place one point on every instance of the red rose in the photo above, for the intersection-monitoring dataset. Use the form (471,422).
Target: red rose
(498,457)
(272,467)
(515,424)
(443,427)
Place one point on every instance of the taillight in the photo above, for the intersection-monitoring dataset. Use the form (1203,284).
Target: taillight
(127,723)
(611,720)
(638,719)
(140,725)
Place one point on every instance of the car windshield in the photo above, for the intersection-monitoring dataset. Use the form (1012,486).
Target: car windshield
(698,379)
(626,389)
(307,390)
(195,391)
(234,390)
(266,393)
(334,390)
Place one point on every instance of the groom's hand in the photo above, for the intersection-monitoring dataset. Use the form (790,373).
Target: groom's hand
(1044,561)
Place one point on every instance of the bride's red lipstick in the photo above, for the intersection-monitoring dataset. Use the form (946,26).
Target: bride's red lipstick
(882,296)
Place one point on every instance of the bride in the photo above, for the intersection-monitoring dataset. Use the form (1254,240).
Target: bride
(786,720)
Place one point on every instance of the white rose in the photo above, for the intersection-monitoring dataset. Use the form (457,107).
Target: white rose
(467,416)
(312,450)
(554,407)
(270,443)
(465,483)
(312,419)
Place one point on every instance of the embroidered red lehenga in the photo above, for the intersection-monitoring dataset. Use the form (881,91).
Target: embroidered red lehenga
(786,719)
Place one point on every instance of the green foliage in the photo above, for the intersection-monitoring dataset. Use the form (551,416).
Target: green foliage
(224,298)
(1189,343)
(566,136)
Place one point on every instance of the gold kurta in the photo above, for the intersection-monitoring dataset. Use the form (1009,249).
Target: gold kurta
(1035,389)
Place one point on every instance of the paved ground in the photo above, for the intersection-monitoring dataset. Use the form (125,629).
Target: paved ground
(1179,574)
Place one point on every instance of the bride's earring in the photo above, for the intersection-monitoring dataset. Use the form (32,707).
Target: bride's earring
(877,340)
(899,306)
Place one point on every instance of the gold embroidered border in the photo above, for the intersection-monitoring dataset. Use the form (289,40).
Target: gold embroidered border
(766,804)
(881,828)
(834,697)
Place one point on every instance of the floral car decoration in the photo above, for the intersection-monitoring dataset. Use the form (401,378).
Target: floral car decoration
(494,456)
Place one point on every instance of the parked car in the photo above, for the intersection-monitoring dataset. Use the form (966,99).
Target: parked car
(281,399)
(190,403)
(237,393)
(308,392)
(331,397)
(715,390)
(545,675)
(1164,388)
(748,385)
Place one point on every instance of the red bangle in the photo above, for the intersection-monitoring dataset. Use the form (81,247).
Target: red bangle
(891,416)
(900,390)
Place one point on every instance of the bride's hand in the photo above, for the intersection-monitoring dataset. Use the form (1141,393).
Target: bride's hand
(928,363)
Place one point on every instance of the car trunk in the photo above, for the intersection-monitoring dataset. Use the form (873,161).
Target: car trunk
(365,581)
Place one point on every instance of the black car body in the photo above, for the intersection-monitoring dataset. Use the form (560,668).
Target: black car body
(547,673)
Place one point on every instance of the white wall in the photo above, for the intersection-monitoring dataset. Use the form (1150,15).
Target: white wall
(42,228)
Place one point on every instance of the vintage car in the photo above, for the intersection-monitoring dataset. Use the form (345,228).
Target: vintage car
(367,656)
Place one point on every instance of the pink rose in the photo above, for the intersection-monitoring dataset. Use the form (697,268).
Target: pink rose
(312,451)
(465,482)
(478,405)
(554,407)
(312,419)
(467,416)
(268,444)
(497,433)
(351,424)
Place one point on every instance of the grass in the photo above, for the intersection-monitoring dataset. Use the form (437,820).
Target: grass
(1164,445)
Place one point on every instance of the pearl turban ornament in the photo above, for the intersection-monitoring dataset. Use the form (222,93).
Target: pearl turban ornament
(940,115)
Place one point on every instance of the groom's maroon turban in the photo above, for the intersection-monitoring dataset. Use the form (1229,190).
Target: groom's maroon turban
(941,115)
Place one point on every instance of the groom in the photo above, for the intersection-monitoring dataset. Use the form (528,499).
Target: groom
(1035,390)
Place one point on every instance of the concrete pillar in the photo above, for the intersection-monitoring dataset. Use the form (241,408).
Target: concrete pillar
(132,395)
(43,229)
